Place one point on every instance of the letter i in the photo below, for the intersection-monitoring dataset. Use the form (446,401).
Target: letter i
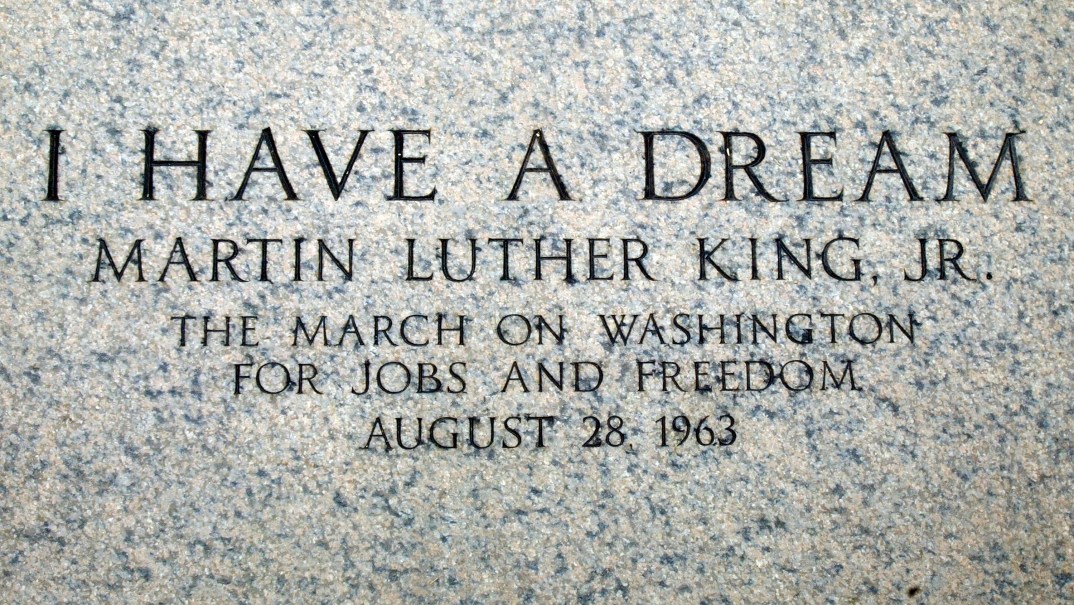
(52,194)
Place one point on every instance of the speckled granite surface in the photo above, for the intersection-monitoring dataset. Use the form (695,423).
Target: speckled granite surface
(131,472)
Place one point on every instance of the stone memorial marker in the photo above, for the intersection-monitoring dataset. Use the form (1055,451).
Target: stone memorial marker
(533,303)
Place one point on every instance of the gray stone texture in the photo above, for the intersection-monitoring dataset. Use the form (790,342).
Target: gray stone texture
(129,472)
